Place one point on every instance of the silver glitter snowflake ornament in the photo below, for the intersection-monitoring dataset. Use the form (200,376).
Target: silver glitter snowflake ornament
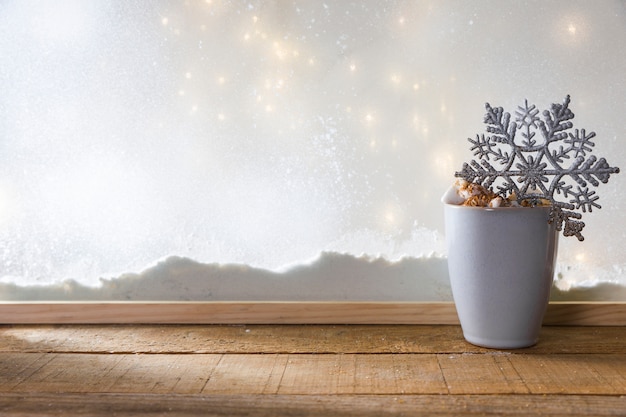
(536,158)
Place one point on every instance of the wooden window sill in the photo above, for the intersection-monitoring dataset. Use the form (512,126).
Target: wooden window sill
(249,312)
(306,370)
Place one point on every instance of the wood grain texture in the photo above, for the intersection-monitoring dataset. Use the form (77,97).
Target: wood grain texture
(122,405)
(154,339)
(305,370)
(558,313)
(315,374)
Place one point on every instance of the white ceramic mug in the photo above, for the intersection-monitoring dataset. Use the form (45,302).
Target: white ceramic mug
(501,267)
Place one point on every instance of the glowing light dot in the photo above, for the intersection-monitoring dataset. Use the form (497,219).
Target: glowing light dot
(221,80)
(401,21)
(194,109)
(395,78)
(571,29)
(188,75)
(221,117)
(443,108)
(280,52)
(259,98)
(311,61)
(181,92)
(369,118)
(165,21)
(255,19)
(352,67)
(580,257)
(443,164)
(416,87)
(348,109)
(269,108)
(246,37)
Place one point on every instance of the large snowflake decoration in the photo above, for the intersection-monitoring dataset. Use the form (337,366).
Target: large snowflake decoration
(535,158)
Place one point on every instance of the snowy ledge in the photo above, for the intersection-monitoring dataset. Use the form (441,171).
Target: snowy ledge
(330,277)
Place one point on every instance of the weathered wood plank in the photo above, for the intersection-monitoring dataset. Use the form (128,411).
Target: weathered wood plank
(160,374)
(121,405)
(490,373)
(364,370)
(250,374)
(572,374)
(17,367)
(558,313)
(182,374)
(70,373)
(534,373)
(398,374)
(288,339)
(232,339)
(316,374)
(362,374)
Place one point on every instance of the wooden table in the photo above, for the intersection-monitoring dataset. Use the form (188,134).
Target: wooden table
(305,370)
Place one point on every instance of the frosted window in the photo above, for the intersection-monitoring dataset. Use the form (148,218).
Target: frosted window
(278,149)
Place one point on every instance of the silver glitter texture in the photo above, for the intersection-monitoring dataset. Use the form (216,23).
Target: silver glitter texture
(538,158)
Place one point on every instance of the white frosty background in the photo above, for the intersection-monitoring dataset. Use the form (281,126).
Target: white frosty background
(262,133)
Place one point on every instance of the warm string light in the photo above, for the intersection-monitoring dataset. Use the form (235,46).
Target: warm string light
(346,110)
(285,56)
(571,28)
(282,56)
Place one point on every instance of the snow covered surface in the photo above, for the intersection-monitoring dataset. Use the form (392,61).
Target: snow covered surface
(330,277)
(236,141)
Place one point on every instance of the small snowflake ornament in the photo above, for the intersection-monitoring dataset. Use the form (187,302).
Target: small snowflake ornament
(537,158)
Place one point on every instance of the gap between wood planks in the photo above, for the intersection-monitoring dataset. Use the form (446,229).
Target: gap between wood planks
(306,370)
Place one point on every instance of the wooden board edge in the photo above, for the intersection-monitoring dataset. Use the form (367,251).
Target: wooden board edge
(225,312)
(586,314)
